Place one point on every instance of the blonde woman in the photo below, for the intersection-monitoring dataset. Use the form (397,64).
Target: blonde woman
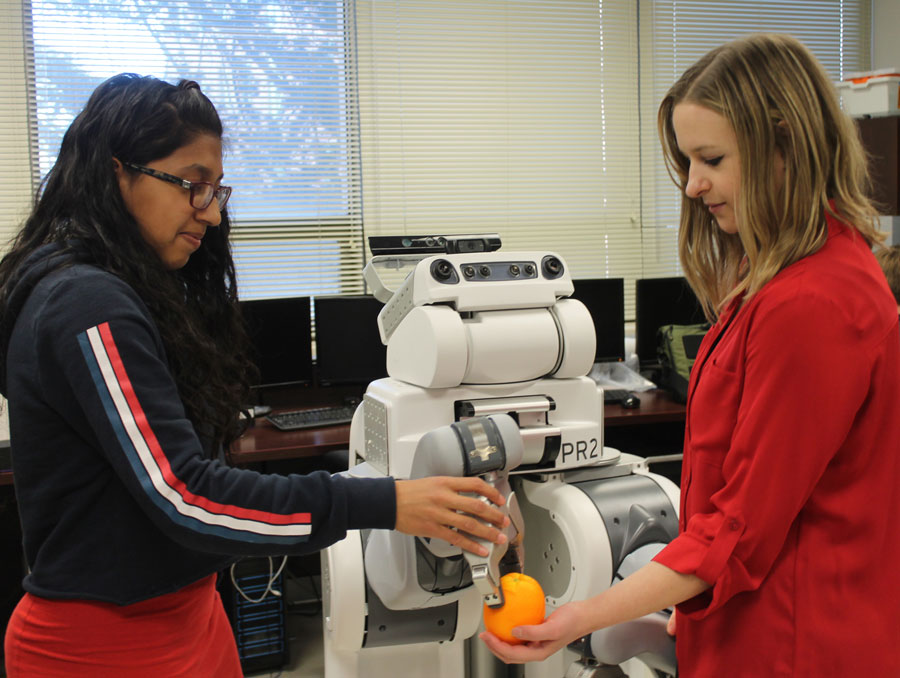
(786,560)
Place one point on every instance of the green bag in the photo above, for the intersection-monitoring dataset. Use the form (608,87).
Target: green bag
(676,348)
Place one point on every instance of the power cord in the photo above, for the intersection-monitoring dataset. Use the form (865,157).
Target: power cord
(273,576)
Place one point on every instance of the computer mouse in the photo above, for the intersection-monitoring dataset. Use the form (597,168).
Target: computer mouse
(631,401)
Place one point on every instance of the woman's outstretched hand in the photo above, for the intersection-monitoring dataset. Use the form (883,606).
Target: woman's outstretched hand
(566,624)
(434,507)
(653,587)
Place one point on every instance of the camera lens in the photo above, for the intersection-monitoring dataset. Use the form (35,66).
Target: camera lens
(485,271)
(552,266)
(469,271)
(442,269)
(471,246)
(514,270)
(529,270)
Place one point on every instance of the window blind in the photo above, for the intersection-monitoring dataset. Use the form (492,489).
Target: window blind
(518,117)
(15,147)
(537,119)
(281,76)
(531,118)
(675,33)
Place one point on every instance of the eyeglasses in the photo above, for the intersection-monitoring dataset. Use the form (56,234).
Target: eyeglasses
(202,192)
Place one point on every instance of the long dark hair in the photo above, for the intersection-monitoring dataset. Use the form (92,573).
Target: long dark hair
(140,119)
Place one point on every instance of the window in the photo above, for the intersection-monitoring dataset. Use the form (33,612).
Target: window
(281,77)
(675,33)
(16,183)
(518,118)
(535,119)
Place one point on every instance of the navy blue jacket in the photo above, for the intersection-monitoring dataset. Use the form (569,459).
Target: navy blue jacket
(117,500)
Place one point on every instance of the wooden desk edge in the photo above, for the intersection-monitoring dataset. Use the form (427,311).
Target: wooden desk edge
(657,406)
(264,442)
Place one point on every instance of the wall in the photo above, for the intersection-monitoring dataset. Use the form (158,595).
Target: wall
(886,54)
(885,46)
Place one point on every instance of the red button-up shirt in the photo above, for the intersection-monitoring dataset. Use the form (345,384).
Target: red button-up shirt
(790,494)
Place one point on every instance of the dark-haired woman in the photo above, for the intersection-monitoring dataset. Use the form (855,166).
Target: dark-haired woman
(118,328)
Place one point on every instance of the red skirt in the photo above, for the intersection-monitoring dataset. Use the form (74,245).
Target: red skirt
(184,634)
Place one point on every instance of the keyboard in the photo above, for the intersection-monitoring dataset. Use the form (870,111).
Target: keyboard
(314,418)
(614,395)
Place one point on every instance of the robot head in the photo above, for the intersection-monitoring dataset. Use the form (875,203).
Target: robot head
(473,315)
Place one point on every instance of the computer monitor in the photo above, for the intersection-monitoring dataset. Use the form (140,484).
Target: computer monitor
(658,302)
(348,347)
(280,339)
(605,299)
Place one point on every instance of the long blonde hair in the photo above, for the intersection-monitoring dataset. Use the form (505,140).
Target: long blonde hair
(778,99)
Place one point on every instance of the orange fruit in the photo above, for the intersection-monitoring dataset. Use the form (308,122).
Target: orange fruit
(524,605)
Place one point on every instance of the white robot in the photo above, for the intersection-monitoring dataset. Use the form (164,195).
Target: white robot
(487,357)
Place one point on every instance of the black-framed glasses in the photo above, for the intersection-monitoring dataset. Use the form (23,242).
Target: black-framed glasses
(202,192)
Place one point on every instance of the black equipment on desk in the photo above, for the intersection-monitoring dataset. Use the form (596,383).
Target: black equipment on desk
(348,347)
(614,395)
(658,302)
(312,418)
(280,339)
(605,299)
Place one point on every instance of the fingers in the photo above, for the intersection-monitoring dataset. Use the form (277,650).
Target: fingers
(477,506)
(469,516)
(535,632)
(484,489)
(465,541)
(539,640)
(476,528)
(670,625)
(464,487)
(434,507)
(516,654)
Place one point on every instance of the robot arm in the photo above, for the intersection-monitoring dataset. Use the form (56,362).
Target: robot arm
(403,571)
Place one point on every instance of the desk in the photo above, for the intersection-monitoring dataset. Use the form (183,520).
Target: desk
(264,442)
(657,407)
